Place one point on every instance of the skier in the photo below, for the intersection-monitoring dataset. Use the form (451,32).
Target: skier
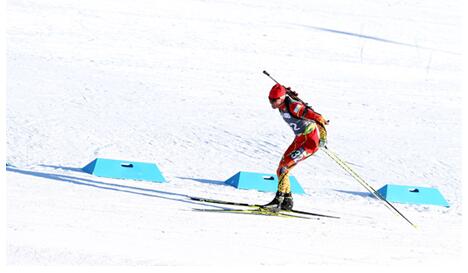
(309,128)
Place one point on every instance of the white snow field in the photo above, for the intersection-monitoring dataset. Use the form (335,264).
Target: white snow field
(179,83)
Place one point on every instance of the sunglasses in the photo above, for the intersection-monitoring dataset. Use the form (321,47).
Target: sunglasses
(273,100)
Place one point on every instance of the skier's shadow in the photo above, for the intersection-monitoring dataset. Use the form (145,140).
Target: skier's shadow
(207,181)
(103,185)
(357,193)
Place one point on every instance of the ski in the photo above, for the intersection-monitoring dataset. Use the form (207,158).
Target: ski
(207,200)
(258,211)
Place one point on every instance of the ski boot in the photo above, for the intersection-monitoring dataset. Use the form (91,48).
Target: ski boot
(287,202)
(282,201)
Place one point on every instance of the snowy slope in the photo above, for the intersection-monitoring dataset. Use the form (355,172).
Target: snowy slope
(179,83)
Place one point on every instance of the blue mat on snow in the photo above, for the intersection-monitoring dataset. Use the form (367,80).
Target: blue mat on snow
(262,182)
(123,169)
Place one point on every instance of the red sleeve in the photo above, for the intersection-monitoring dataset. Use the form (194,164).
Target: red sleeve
(299,110)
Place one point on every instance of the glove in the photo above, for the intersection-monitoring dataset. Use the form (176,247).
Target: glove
(323,135)
(323,142)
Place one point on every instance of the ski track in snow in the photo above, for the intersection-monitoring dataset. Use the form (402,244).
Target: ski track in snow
(179,83)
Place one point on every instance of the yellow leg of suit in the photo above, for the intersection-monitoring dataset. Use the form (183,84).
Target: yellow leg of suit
(284,185)
(301,148)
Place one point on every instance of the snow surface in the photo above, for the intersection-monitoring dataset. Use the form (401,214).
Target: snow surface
(179,83)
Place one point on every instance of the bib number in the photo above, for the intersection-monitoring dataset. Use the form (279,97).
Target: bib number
(294,126)
(298,155)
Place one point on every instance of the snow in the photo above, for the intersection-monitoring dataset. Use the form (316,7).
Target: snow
(179,83)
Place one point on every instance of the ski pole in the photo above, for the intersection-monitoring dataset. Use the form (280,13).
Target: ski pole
(358,178)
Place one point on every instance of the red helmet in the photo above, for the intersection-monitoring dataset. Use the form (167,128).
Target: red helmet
(277,91)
